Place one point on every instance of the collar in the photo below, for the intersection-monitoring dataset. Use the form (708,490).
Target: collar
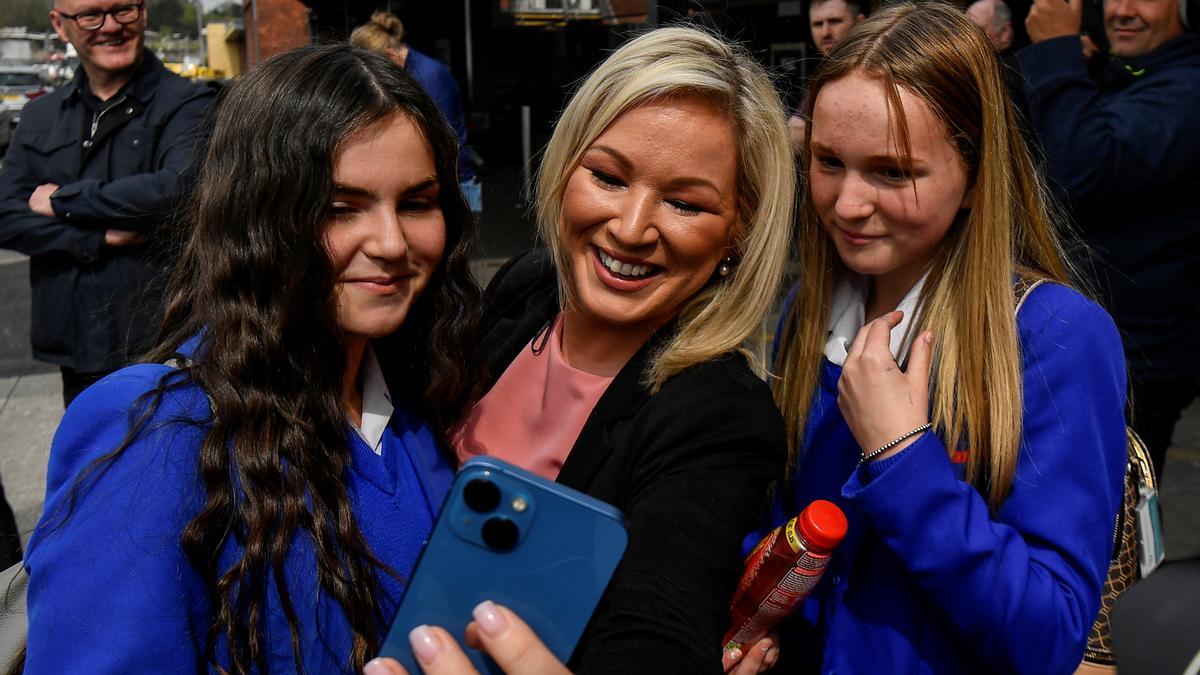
(141,86)
(377,406)
(847,315)
(1179,48)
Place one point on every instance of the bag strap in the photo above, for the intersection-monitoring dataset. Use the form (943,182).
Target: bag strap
(1023,287)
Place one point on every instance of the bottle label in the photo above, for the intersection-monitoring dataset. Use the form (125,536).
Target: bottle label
(782,598)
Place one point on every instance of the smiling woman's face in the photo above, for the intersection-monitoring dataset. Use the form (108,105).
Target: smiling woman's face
(386,233)
(649,212)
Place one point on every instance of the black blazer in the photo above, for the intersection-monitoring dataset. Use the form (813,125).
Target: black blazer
(689,466)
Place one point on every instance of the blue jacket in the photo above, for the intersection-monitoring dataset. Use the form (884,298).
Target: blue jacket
(1125,151)
(87,313)
(111,591)
(441,86)
(928,579)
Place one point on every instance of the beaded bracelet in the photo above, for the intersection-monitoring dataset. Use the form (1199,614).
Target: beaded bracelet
(893,443)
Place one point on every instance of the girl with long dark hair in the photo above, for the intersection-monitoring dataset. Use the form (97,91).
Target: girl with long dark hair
(252,496)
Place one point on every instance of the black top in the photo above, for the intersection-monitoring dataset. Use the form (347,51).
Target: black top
(93,306)
(689,466)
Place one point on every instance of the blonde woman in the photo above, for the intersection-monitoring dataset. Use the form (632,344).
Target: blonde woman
(978,452)
(616,361)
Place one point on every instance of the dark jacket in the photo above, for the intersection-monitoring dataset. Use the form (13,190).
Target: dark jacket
(689,466)
(439,83)
(90,306)
(1124,149)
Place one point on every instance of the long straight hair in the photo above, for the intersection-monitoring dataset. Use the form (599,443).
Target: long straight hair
(935,53)
(682,60)
(255,283)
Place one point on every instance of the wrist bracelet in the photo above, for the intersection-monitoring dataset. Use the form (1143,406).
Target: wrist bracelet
(893,443)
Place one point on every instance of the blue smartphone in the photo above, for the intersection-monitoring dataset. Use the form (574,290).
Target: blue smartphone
(510,536)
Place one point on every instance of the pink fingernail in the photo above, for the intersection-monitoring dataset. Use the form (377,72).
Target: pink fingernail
(376,667)
(424,645)
(490,621)
(735,654)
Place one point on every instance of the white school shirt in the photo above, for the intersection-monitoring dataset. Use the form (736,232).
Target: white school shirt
(848,311)
(376,403)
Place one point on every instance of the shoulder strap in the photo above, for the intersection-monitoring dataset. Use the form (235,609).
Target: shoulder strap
(1023,287)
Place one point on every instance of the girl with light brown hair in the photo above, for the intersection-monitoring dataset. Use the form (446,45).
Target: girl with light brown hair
(977,451)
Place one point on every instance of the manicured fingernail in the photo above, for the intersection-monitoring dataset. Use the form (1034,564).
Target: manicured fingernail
(735,655)
(491,622)
(376,667)
(766,645)
(424,645)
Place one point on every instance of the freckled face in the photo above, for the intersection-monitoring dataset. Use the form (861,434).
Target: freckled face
(386,234)
(886,223)
(648,213)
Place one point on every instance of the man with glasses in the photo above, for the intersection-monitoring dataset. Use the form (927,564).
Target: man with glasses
(90,174)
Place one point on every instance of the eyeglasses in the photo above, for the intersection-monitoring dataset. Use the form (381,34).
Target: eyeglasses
(94,19)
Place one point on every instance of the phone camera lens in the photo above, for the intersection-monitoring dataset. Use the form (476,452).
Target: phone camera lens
(481,495)
(500,533)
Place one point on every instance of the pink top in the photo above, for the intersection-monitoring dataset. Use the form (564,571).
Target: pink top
(535,411)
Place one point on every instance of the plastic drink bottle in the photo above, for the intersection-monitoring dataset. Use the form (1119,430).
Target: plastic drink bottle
(782,570)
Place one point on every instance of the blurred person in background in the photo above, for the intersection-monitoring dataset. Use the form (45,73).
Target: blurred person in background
(994,17)
(829,21)
(1124,149)
(385,33)
(91,172)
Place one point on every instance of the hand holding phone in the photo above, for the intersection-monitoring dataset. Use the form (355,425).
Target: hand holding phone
(506,535)
(496,630)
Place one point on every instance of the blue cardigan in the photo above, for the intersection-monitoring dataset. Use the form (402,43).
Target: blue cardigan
(112,591)
(928,579)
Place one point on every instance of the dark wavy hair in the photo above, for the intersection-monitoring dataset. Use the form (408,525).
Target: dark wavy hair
(254,281)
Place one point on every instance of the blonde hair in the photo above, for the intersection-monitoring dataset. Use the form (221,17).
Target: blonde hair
(723,315)
(936,53)
(383,32)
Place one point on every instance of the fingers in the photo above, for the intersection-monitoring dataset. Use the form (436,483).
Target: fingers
(881,328)
(382,666)
(879,333)
(436,651)
(920,357)
(123,237)
(758,658)
(730,658)
(510,642)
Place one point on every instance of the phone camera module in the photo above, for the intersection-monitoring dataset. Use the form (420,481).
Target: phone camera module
(500,533)
(481,495)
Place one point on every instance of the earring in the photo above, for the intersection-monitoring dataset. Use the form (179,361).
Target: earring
(726,267)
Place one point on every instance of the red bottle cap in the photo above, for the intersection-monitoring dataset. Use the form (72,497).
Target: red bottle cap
(822,524)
